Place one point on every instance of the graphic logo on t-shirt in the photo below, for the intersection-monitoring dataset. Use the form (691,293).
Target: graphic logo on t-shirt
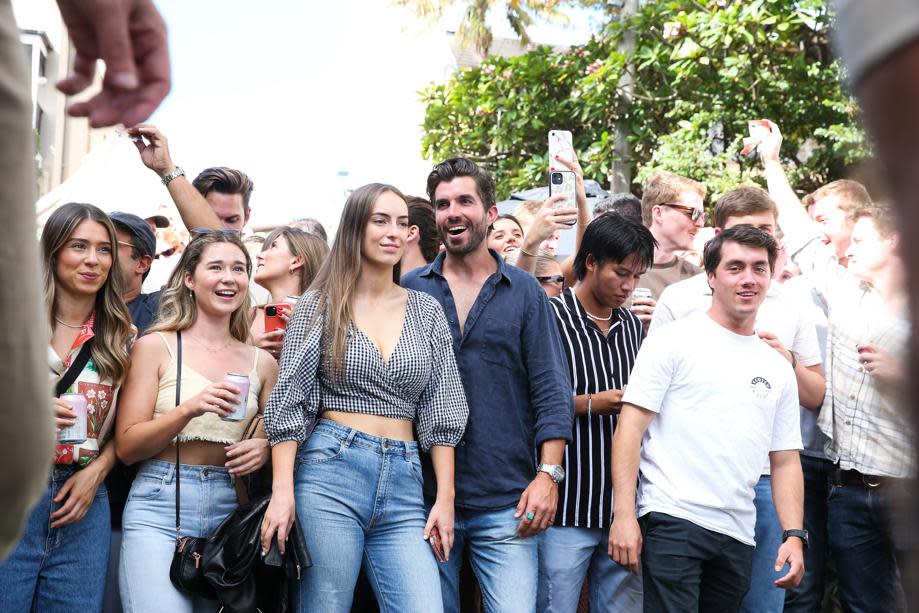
(760,387)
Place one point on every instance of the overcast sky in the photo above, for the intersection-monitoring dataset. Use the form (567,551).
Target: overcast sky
(295,93)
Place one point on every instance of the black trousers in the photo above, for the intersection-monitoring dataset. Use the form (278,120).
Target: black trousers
(687,568)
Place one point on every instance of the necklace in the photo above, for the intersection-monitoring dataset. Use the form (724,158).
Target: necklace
(597,318)
(64,323)
(209,349)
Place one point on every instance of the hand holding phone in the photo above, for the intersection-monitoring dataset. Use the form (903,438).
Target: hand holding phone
(562,180)
(437,545)
(275,316)
(758,129)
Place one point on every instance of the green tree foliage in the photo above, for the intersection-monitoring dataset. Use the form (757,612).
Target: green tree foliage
(702,69)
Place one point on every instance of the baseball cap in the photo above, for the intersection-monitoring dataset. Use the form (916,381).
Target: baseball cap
(139,228)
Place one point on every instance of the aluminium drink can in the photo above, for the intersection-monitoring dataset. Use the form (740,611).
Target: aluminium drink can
(242,382)
(77,432)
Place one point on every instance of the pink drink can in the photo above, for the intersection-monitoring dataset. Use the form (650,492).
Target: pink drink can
(242,382)
(77,432)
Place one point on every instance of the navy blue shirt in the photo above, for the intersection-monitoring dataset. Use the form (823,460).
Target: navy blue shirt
(143,310)
(514,371)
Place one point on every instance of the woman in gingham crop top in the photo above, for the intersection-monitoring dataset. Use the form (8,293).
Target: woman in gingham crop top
(369,364)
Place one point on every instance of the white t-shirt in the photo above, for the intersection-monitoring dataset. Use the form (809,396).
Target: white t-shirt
(782,313)
(723,402)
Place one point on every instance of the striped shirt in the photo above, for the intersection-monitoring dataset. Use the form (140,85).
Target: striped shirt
(596,363)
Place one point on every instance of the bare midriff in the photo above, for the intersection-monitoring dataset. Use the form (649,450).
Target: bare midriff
(197,453)
(374,425)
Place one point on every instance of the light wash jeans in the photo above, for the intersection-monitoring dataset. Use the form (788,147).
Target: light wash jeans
(359,501)
(504,564)
(764,596)
(148,532)
(567,555)
(53,570)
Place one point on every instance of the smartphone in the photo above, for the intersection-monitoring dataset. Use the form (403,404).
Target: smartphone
(273,319)
(560,144)
(437,545)
(561,180)
(758,129)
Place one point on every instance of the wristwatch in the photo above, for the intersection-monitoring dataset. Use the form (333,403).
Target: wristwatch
(555,471)
(175,174)
(801,534)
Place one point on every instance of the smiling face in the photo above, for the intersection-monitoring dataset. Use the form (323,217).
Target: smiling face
(506,236)
(386,231)
(83,264)
(740,282)
(674,226)
(220,282)
(275,261)
(870,251)
(462,220)
(833,221)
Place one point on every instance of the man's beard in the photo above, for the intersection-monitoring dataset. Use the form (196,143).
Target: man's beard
(477,233)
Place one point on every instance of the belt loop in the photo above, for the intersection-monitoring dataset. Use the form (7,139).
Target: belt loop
(171,472)
(350,438)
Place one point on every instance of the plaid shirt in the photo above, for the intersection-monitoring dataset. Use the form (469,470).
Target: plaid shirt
(866,420)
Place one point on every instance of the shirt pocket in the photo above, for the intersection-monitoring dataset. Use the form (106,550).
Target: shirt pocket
(501,342)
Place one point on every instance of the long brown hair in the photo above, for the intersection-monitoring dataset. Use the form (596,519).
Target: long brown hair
(312,249)
(112,327)
(178,309)
(338,276)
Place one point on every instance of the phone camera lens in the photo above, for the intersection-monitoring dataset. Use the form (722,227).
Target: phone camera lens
(271,311)
(556,178)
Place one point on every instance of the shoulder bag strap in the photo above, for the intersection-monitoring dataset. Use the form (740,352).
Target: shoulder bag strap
(178,401)
(76,367)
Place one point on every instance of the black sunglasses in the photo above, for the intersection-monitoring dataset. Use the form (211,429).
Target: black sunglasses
(690,211)
(552,279)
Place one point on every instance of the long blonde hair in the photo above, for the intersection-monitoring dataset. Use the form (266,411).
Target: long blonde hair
(112,327)
(178,309)
(337,278)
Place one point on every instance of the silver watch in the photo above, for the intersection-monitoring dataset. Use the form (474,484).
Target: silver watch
(175,174)
(555,471)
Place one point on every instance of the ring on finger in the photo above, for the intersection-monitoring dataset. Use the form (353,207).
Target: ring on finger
(530,516)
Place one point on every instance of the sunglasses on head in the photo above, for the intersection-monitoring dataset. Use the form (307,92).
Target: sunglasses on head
(199,232)
(552,279)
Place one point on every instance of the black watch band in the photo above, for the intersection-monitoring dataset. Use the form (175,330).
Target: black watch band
(801,534)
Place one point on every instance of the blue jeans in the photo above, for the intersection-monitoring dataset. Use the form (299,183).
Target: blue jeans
(505,565)
(61,569)
(862,539)
(808,596)
(148,531)
(566,556)
(764,596)
(359,501)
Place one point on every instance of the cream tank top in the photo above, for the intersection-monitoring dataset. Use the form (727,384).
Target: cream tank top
(208,427)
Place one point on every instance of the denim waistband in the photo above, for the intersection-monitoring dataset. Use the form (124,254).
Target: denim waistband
(161,469)
(356,438)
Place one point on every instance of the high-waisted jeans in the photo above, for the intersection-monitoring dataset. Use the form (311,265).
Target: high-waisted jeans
(149,536)
(53,570)
(359,501)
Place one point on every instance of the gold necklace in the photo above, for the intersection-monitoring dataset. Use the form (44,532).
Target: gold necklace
(64,323)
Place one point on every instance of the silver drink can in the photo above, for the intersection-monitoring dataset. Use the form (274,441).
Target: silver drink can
(242,382)
(77,432)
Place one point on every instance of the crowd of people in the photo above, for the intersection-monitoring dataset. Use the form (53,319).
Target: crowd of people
(441,387)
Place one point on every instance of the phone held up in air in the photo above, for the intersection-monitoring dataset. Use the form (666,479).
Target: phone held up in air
(561,180)
(273,319)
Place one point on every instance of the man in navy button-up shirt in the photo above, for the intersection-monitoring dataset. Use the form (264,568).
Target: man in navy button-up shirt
(520,403)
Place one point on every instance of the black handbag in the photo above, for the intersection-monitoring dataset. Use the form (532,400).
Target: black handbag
(246,582)
(186,571)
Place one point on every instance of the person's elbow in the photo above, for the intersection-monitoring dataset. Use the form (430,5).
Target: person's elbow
(125,449)
(811,397)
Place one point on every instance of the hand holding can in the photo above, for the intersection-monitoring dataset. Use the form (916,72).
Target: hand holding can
(75,433)
(239,409)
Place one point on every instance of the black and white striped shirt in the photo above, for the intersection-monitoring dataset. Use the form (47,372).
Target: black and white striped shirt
(596,363)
